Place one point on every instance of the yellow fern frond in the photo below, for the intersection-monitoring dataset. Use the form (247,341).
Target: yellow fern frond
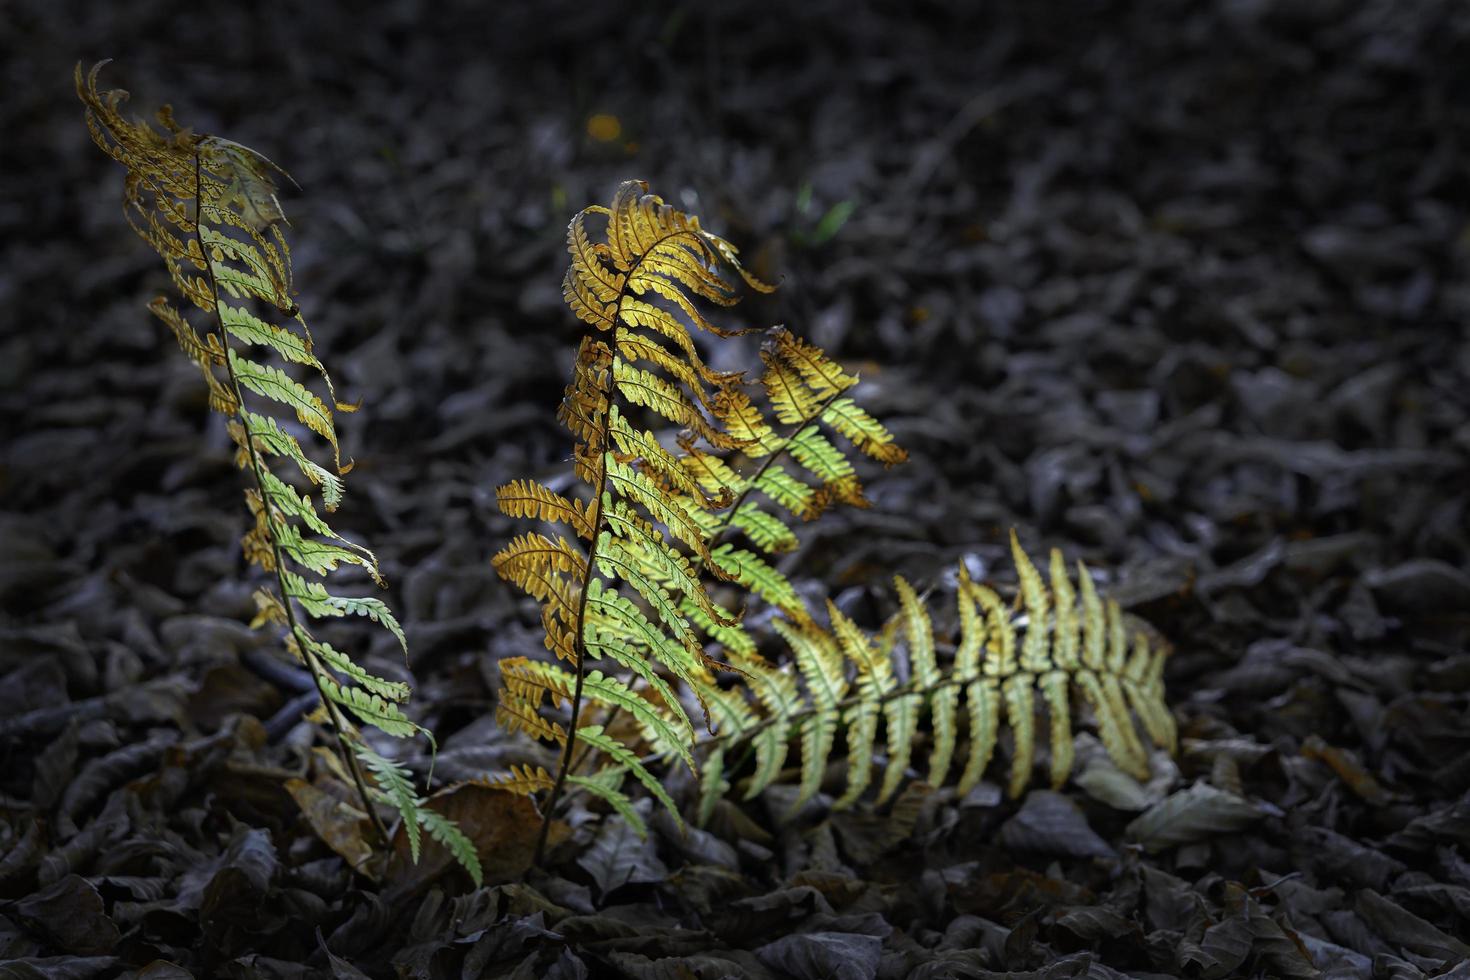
(744,421)
(822,375)
(522,781)
(644,273)
(793,402)
(529,499)
(515,713)
(537,564)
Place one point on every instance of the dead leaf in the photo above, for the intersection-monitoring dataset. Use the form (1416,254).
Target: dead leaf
(1348,769)
(70,914)
(1197,813)
(341,826)
(1403,928)
(618,857)
(1051,823)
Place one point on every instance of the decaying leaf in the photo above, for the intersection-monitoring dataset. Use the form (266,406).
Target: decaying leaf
(1198,812)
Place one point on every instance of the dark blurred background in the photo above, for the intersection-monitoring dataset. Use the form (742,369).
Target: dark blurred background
(1179,286)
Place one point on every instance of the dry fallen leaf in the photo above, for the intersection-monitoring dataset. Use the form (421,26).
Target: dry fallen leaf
(340,825)
(503,827)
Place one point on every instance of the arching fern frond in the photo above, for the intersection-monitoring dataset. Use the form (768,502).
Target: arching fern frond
(208,207)
(1057,650)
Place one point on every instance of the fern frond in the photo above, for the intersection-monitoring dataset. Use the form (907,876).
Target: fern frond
(607,785)
(273,383)
(791,399)
(619,629)
(525,781)
(314,598)
(346,666)
(320,557)
(635,487)
(267,436)
(767,531)
(1004,669)
(826,462)
(752,572)
(370,708)
(527,498)
(744,421)
(778,695)
(825,378)
(734,638)
(515,713)
(616,560)
(863,431)
(447,832)
(528,679)
(787,491)
(623,757)
(540,567)
(654,517)
(395,787)
(208,207)
(206,351)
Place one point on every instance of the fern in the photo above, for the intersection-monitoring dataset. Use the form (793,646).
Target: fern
(394,787)
(628,585)
(208,207)
(1064,641)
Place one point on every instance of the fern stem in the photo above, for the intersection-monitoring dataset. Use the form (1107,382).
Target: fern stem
(579,649)
(334,714)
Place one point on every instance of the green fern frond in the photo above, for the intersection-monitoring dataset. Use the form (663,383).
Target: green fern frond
(208,207)
(752,572)
(623,757)
(370,708)
(268,437)
(314,598)
(447,832)
(607,785)
(338,661)
(395,787)
(1004,668)
(273,383)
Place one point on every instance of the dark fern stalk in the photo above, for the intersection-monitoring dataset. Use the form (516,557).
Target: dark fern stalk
(580,649)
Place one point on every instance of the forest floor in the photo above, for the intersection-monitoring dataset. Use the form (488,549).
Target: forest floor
(1178,287)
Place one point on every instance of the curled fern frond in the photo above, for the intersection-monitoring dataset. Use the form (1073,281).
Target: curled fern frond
(1064,646)
(629,585)
(208,207)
